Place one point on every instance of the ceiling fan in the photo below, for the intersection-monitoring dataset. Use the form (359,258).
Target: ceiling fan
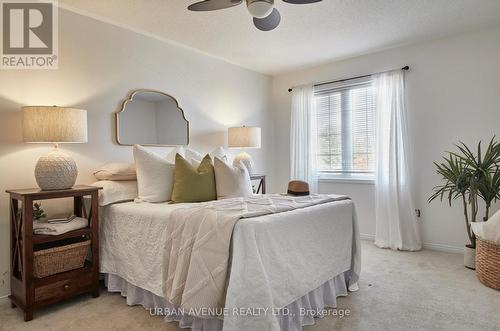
(265,16)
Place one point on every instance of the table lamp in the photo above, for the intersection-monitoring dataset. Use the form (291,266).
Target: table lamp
(244,137)
(45,124)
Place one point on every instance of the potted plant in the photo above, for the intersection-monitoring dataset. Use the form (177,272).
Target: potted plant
(470,177)
(38,212)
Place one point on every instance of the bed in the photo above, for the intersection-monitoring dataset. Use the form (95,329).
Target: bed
(285,264)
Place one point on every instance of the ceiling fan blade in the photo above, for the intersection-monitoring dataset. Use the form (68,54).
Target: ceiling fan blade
(301,2)
(268,23)
(208,5)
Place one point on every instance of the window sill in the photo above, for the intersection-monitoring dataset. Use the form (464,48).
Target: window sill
(346,179)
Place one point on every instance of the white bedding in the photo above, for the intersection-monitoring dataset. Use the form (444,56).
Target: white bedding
(132,240)
(277,258)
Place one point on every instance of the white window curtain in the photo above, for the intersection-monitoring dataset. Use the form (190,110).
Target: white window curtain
(396,222)
(303,137)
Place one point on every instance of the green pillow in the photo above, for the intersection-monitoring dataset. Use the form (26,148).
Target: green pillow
(193,184)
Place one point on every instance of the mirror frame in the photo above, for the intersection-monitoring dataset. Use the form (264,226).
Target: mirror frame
(130,97)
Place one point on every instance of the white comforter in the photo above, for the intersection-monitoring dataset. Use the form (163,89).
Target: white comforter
(276,258)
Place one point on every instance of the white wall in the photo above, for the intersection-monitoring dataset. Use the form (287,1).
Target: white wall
(453,93)
(99,64)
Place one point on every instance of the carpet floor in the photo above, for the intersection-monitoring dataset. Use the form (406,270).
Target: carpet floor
(424,290)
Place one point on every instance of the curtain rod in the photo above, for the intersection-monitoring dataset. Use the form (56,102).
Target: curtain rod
(405,68)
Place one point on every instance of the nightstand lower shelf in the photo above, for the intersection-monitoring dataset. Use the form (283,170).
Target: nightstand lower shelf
(42,239)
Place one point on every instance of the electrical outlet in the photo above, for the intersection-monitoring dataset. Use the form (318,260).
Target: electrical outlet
(3,279)
(417,211)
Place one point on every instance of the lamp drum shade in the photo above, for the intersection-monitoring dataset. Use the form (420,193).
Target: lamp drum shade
(244,136)
(42,124)
(45,124)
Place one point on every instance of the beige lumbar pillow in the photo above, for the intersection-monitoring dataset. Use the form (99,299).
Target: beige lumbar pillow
(116,191)
(193,184)
(155,176)
(231,181)
(116,171)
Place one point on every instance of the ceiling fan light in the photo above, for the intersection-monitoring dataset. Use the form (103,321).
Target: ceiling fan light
(260,8)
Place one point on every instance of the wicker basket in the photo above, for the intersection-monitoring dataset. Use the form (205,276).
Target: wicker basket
(488,263)
(60,259)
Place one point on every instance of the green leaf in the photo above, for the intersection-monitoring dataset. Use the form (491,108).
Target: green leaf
(475,176)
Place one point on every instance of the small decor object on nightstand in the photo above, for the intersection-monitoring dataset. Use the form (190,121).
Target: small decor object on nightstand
(244,137)
(42,124)
(38,212)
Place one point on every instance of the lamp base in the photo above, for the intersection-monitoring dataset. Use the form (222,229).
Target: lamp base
(56,171)
(246,159)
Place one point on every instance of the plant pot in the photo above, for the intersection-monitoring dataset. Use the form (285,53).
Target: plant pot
(470,257)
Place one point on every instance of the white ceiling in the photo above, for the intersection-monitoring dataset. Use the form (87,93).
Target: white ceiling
(308,34)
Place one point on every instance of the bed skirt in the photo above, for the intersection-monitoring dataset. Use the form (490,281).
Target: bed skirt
(294,319)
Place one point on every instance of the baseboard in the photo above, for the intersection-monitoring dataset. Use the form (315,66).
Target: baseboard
(429,246)
(365,236)
(443,248)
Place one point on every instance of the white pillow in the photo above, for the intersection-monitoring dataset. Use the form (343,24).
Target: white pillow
(220,153)
(189,154)
(155,176)
(116,171)
(193,156)
(231,181)
(116,191)
(489,230)
(178,150)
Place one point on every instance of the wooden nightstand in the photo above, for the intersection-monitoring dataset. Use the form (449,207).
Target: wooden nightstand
(29,292)
(261,186)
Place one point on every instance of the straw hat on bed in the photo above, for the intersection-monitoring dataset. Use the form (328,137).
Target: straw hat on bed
(298,187)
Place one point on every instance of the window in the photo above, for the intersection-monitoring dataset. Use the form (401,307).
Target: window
(346,127)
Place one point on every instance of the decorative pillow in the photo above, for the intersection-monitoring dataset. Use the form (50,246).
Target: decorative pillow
(178,150)
(220,153)
(489,230)
(231,181)
(189,154)
(116,191)
(193,156)
(155,176)
(116,171)
(193,184)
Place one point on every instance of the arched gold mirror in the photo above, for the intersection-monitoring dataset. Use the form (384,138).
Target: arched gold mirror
(151,118)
